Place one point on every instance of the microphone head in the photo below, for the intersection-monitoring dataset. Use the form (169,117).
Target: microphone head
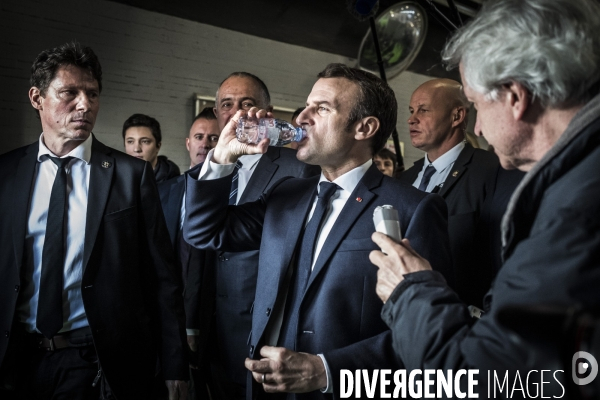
(362,9)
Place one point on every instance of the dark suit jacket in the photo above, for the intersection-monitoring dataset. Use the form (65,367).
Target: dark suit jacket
(237,271)
(339,314)
(130,287)
(197,265)
(465,190)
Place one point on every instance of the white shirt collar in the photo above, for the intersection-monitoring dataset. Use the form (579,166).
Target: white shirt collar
(446,159)
(350,179)
(82,151)
(249,160)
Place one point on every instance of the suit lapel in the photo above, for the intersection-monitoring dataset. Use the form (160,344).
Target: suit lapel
(350,213)
(262,175)
(21,200)
(102,168)
(410,175)
(458,169)
(173,207)
(294,221)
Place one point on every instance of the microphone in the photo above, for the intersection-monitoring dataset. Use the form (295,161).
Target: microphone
(362,9)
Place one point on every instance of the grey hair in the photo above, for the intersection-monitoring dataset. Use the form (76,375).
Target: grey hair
(552,47)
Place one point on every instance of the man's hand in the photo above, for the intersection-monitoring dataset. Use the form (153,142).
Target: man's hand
(229,149)
(177,390)
(399,259)
(283,370)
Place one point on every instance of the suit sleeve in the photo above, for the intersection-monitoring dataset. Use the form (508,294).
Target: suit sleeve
(212,224)
(165,293)
(445,337)
(428,235)
(193,284)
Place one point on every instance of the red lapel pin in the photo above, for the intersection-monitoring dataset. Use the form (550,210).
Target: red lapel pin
(359,199)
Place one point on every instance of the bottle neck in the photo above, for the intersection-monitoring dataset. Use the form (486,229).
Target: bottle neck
(300,134)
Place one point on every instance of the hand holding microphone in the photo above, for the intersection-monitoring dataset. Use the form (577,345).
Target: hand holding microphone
(396,257)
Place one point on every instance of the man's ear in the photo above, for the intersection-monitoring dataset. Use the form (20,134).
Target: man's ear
(187,143)
(518,98)
(158,145)
(458,116)
(366,128)
(35,97)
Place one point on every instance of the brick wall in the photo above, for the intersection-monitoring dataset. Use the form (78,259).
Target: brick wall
(153,64)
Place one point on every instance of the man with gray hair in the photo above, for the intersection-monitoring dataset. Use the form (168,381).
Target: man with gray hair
(536,92)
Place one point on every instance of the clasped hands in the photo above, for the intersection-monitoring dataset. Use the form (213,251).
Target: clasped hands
(283,370)
(394,261)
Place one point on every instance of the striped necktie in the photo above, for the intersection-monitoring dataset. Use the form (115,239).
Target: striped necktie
(234,184)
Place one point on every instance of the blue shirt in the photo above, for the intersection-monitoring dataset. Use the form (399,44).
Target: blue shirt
(443,165)
(78,179)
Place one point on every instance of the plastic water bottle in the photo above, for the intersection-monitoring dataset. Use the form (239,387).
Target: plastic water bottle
(252,130)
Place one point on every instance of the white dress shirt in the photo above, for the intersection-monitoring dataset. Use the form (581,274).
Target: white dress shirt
(78,179)
(443,165)
(347,183)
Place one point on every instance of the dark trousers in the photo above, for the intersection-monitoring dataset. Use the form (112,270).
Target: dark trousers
(198,384)
(54,375)
(222,387)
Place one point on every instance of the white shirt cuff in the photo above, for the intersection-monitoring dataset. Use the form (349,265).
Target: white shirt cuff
(192,332)
(329,387)
(211,170)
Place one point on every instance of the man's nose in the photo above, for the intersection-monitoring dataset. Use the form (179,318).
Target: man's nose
(83,102)
(304,117)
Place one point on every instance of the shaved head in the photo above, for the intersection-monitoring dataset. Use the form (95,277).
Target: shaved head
(438,118)
(447,90)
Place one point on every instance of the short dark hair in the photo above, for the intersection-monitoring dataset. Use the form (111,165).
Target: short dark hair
(48,61)
(206,113)
(144,120)
(375,99)
(387,154)
(261,85)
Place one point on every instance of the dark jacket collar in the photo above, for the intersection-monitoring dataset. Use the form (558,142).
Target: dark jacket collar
(579,139)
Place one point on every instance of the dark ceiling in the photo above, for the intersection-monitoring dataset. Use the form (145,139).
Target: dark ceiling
(323,25)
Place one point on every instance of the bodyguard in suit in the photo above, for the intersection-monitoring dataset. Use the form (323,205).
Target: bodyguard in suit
(462,175)
(236,270)
(90,297)
(196,265)
(315,310)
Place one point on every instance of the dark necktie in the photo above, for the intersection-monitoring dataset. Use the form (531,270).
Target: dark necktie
(234,184)
(49,313)
(299,280)
(429,171)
